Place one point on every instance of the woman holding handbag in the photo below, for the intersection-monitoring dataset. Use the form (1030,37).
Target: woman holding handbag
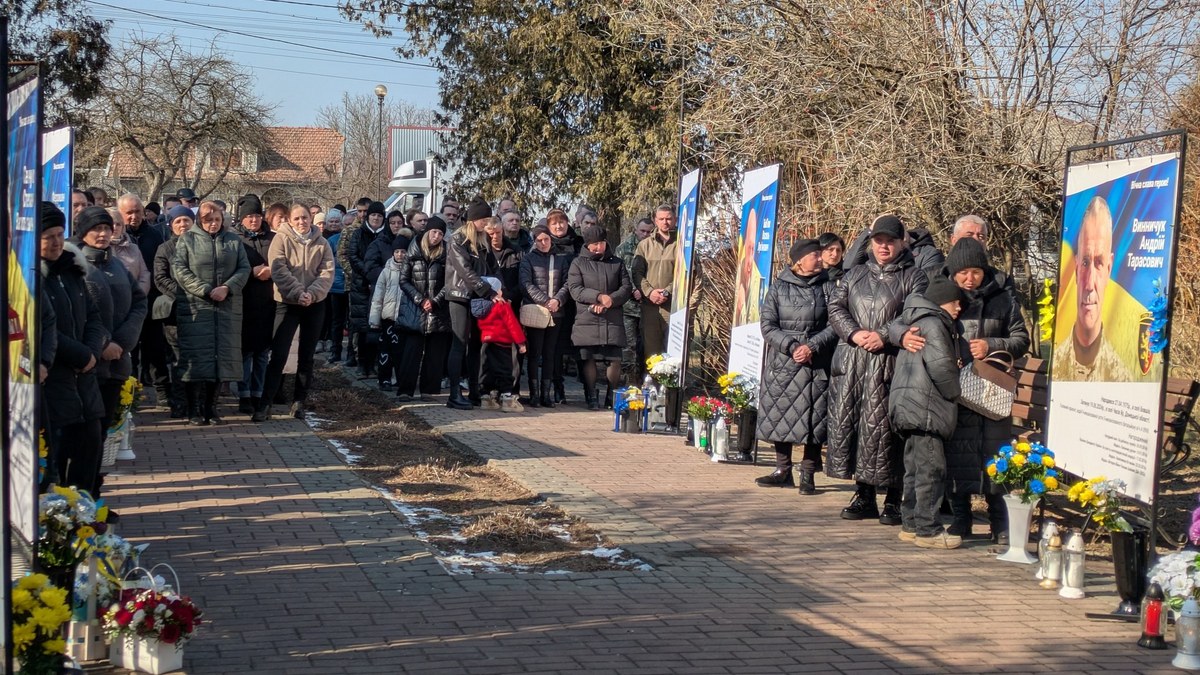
(423,281)
(993,328)
(393,313)
(544,284)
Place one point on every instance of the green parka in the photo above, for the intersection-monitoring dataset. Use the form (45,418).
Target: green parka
(210,333)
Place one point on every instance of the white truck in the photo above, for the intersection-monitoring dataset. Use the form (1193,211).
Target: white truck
(420,184)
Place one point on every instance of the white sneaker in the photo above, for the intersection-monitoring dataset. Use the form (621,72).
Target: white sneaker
(490,402)
(509,403)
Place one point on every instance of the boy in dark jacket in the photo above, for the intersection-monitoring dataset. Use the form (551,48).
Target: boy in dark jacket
(923,410)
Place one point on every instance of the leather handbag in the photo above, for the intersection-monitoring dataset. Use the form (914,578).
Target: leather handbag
(409,317)
(536,316)
(987,386)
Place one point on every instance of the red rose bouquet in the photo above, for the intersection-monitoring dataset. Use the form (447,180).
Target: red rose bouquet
(150,613)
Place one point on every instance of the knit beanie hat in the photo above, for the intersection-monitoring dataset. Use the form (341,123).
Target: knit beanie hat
(593,234)
(89,219)
(888,224)
(941,290)
(376,207)
(478,209)
(435,223)
(52,216)
(967,253)
(803,247)
(178,212)
(248,205)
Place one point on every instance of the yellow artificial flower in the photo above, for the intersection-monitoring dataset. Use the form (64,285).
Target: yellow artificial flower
(32,581)
(54,597)
(1023,446)
(55,646)
(22,600)
(1073,493)
(67,493)
(126,399)
(102,514)
(653,360)
(991,470)
(1019,460)
(1048,461)
(85,532)
(23,634)
(1087,496)
(1051,482)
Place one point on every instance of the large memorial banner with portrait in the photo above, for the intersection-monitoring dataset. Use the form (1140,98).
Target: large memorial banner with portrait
(755,251)
(1108,367)
(24,188)
(681,287)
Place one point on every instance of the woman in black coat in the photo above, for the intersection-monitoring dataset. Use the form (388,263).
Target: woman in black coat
(72,394)
(423,280)
(466,265)
(179,220)
(862,308)
(258,301)
(543,282)
(991,321)
(361,284)
(792,401)
(599,284)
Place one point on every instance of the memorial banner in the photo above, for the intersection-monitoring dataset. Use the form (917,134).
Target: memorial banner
(678,331)
(1115,277)
(58,146)
(24,145)
(755,253)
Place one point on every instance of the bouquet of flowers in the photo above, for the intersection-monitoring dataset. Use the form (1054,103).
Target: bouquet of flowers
(68,522)
(1102,498)
(705,408)
(131,396)
(39,610)
(742,391)
(664,369)
(111,553)
(1178,574)
(1026,469)
(631,400)
(157,613)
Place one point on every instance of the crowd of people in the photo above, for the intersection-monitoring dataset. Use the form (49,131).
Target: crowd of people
(863,342)
(863,360)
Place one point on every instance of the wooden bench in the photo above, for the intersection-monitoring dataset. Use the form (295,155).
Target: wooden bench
(1032,398)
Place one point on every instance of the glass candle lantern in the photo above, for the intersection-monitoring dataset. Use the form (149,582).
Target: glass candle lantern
(1154,619)
(1187,636)
(1074,561)
(1052,563)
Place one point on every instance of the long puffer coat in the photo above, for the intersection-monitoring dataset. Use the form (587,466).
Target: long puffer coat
(534,277)
(424,279)
(792,399)
(71,396)
(993,314)
(925,383)
(258,298)
(210,332)
(123,307)
(360,283)
(869,297)
(590,276)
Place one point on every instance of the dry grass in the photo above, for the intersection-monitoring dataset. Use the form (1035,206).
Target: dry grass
(399,451)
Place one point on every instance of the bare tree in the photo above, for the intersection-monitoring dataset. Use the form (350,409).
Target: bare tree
(357,118)
(183,116)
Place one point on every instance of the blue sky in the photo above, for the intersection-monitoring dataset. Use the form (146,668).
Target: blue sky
(287,58)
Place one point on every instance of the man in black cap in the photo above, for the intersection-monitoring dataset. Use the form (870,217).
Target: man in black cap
(187,197)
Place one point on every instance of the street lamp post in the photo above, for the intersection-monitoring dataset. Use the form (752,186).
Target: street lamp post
(381,92)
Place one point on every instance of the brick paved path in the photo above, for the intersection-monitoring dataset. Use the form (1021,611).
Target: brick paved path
(302,568)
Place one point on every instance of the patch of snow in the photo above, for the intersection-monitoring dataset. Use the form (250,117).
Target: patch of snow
(604,552)
(315,422)
(343,449)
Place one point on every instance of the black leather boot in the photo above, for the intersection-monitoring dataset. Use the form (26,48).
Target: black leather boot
(808,486)
(608,398)
(863,506)
(546,401)
(245,406)
(777,478)
(590,396)
(195,412)
(560,394)
(210,403)
(534,394)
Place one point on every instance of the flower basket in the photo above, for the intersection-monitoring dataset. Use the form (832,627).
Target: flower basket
(112,445)
(145,655)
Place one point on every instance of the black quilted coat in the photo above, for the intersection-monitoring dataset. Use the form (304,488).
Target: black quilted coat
(360,284)
(590,276)
(993,314)
(423,279)
(792,402)
(869,297)
(258,297)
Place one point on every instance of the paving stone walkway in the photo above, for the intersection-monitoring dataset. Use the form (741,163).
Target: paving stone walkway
(303,568)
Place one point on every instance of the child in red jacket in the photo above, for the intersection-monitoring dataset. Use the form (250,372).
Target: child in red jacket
(499,331)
